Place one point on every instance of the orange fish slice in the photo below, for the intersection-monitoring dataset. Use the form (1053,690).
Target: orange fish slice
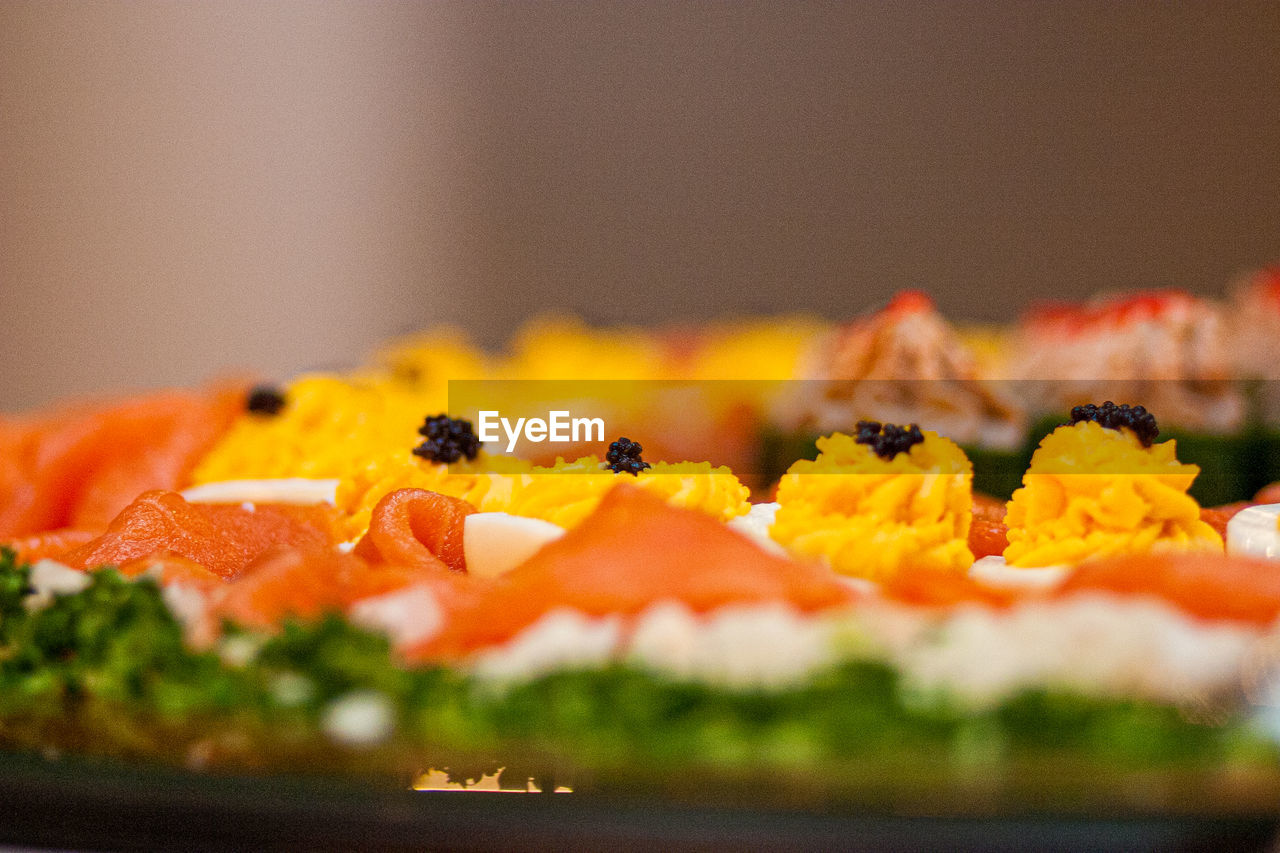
(50,544)
(414,527)
(632,551)
(172,568)
(926,587)
(223,539)
(1210,586)
(286,581)
(306,582)
(81,465)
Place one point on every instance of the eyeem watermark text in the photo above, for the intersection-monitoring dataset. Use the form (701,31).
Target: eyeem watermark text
(559,426)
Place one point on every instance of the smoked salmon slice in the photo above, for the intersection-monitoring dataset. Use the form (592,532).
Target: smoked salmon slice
(631,552)
(222,538)
(170,568)
(414,527)
(925,587)
(80,466)
(50,544)
(1210,586)
(286,581)
(307,582)
(414,538)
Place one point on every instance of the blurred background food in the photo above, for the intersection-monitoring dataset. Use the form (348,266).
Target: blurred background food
(278,186)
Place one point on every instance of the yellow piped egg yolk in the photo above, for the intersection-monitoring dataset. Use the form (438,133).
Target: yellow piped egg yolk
(563,494)
(567,492)
(871,517)
(426,362)
(471,480)
(753,350)
(558,348)
(330,427)
(1097,492)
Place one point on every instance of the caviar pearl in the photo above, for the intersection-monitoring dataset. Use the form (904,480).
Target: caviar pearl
(888,440)
(447,440)
(1111,416)
(624,456)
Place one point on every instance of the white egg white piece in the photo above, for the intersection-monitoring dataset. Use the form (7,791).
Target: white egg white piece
(995,572)
(755,526)
(288,490)
(496,542)
(1255,532)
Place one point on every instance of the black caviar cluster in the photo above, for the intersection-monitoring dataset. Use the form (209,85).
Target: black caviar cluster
(888,440)
(447,440)
(624,456)
(1111,416)
(265,400)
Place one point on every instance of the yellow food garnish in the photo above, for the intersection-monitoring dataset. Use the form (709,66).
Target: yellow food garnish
(472,481)
(567,492)
(551,348)
(1097,492)
(330,427)
(870,517)
(425,362)
(563,494)
(755,350)
(991,347)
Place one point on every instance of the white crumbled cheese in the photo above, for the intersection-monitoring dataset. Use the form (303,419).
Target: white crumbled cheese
(50,578)
(741,646)
(1262,684)
(887,628)
(1093,644)
(408,616)
(748,646)
(359,718)
(346,547)
(238,650)
(249,506)
(755,526)
(285,490)
(762,646)
(54,577)
(768,646)
(185,602)
(665,638)
(562,639)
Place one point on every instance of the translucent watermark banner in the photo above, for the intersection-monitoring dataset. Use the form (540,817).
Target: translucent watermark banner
(760,428)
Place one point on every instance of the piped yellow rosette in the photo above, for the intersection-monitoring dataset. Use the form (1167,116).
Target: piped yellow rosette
(869,517)
(330,427)
(471,480)
(563,494)
(1092,491)
(567,492)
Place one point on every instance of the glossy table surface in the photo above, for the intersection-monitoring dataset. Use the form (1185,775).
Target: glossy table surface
(78,804)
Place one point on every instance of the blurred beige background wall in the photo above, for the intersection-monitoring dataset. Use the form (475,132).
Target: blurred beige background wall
(186,187)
